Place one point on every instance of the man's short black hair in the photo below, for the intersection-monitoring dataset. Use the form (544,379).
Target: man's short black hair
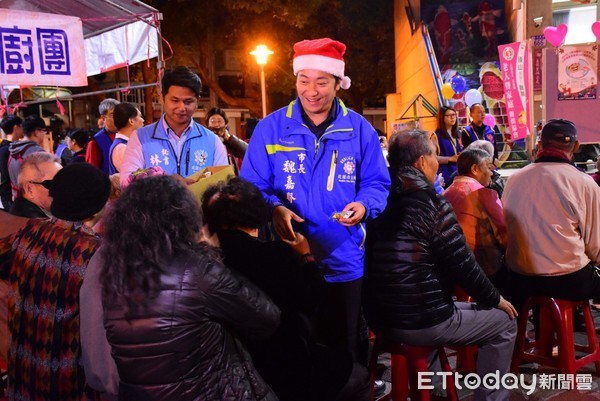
(32,123)
(80,136)
(8,123)
(407,146)
(181,76)
(122,113)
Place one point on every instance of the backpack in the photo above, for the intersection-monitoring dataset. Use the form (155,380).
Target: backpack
(19,158)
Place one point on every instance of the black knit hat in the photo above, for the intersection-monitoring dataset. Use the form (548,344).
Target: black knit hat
(78,192)
(560,131)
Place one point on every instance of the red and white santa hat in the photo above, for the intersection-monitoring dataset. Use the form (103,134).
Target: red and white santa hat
(325,55)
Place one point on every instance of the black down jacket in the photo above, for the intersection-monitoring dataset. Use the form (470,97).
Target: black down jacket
(415,254)
(184,345)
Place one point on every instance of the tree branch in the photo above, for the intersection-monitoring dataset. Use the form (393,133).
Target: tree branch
(251,104)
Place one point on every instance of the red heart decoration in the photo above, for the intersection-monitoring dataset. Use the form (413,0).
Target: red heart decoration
(556,35)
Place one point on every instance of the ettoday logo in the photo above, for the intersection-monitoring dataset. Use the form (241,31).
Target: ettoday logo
(472,381)
(509,381)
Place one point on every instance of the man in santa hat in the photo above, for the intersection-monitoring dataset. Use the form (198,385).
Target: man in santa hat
(321,169)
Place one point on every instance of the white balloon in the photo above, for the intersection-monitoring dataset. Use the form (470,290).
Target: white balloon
(472,96)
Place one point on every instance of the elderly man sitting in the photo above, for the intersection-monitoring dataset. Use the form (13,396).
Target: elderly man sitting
(415,254)
(551,210)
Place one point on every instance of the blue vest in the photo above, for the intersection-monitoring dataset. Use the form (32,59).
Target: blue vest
(197,153)
(488,135)
(111,168)
(104,142)
(60,149)
(447,149)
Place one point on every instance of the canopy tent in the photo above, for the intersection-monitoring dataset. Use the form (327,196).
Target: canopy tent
(116,32)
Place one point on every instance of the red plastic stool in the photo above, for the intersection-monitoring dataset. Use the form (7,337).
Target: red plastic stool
(466,356)
(556,316)
(407,361)
(3,368)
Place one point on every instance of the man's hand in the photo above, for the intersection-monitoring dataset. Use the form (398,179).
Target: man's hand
(282,220)
(299,245)
(359,212)
(191,179)
(507,307)
(219,131)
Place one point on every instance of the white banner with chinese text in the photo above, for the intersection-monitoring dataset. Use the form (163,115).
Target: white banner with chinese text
(41,49)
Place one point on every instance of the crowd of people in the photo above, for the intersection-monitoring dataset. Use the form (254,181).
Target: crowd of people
(117,282)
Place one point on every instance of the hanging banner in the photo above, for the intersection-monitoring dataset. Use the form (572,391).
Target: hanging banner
(539,42)
(41,49)
(515,62)
(577,72)
(118,47)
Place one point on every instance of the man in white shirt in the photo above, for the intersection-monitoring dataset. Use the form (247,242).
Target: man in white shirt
(176,143)
(552,214)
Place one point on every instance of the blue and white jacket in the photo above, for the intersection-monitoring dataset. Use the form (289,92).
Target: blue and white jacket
(201,149)
(317,177)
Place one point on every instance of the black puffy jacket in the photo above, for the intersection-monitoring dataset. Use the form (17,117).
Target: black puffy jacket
(184,345)
(415,254)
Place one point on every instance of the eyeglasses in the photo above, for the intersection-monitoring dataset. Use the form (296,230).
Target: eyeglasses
(46,183)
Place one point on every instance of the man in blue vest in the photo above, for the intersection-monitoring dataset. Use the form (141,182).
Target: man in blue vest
(176,143)
(478,130)
(98,148)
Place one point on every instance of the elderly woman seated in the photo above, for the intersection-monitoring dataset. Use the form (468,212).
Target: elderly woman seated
(479,213)
(292,363)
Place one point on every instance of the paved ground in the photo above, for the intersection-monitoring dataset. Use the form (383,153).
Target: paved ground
(547,387)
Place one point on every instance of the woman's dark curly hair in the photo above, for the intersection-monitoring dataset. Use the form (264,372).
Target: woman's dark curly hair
(236,203)
(155,220)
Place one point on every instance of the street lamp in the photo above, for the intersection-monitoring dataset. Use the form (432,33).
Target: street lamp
(261,53)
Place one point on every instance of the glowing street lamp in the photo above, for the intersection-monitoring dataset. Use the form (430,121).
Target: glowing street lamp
(261,53)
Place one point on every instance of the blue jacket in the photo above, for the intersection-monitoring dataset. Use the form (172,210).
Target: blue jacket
(198,150)
(316,178)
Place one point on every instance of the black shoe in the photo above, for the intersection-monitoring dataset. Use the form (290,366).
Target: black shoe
(378,388)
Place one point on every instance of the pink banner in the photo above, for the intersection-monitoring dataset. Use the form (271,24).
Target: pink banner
(515,62)
(41,49)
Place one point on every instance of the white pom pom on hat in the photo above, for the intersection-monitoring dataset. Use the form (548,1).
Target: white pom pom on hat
(325,55)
